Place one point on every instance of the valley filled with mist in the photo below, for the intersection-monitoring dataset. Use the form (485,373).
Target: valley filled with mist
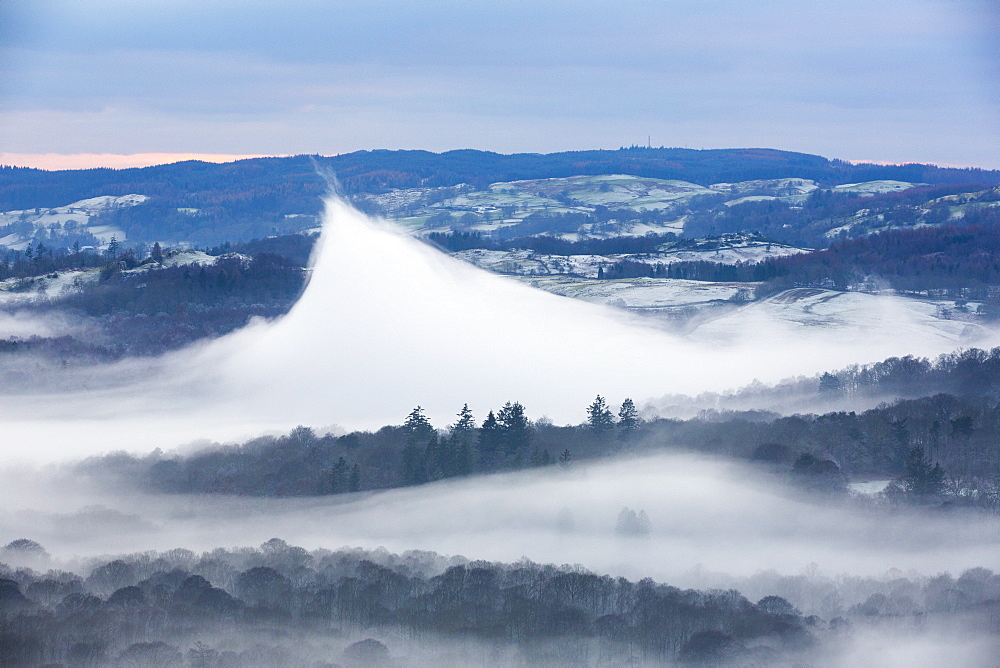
(557,419)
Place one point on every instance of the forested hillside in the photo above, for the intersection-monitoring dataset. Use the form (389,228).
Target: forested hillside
(296,178)
(941,446)
(960,261)
(283,605)
(204,203)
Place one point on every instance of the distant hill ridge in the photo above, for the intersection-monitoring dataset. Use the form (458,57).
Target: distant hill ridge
(292,185)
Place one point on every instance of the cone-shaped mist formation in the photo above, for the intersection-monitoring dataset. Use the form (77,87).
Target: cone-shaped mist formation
(388,323)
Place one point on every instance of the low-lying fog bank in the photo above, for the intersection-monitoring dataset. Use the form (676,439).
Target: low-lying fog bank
(282,605)
(387,323)
(709,521)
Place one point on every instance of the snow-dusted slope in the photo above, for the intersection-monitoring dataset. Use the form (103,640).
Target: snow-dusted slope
(729,249)
(510,202)
(793,191)
(48,286)
(486,210)
(646,295)
(56,284)
(176,257)
(723,313)
(875,187)
(64,220)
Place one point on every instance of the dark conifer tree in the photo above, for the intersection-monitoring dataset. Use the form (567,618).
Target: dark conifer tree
(599,416)
(922,479)
(465,426)
(490,439)
(514,426)
(565,458)
(418,427)
(354,483)
(628,418)
(434,463)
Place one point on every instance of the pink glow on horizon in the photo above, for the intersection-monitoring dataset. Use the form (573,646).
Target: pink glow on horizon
(56,161)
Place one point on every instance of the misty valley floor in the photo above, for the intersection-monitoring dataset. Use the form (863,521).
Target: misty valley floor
(715,526)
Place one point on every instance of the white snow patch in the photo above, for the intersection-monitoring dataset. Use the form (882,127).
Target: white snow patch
(868,487)
(876,187)
(751,198)
(175,257)
(788,189)
(641,294)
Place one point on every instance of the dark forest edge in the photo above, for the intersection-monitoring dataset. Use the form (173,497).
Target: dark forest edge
(939,447)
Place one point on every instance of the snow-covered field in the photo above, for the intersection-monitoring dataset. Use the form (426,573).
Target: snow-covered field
(177,257)
(874,187)
(727,250)
(51,286)
(507,203)
(62,220)
(793,191)
(647,295)
(464,207)
(48,286)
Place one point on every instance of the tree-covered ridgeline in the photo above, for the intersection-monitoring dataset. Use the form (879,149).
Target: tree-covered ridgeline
(204,204)
(939,447)
(283,605)
(283,185)
(459,241)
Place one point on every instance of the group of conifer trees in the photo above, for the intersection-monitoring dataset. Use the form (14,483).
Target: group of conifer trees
(504,440)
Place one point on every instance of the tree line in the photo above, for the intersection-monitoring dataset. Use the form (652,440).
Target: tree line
(294,179)
(204,203)
(941,449)
(282,605)
(459,241)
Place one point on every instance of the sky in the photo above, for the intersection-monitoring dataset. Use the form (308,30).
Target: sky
(86,82)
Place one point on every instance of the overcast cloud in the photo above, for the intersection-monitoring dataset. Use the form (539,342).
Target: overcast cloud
(855,80)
